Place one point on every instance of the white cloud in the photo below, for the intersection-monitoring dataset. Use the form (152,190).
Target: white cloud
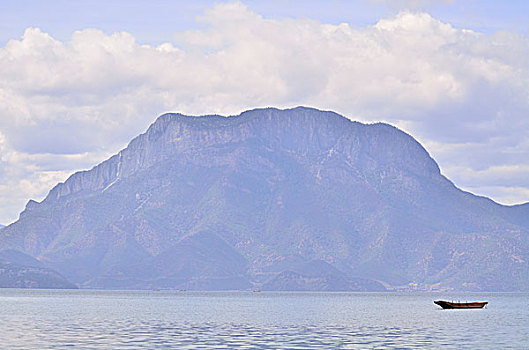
(507,195)
(67,105)
(400,5)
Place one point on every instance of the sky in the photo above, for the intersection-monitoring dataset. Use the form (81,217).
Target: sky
(80,79)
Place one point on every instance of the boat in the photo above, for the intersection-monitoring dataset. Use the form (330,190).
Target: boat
(451,305)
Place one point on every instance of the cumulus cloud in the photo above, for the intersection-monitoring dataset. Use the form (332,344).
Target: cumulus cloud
(400,5)
(65,106)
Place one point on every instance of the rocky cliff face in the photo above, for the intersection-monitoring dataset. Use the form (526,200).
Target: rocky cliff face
(247,201)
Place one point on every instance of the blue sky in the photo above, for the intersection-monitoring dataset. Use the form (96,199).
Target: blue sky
(79,79)
(156,21)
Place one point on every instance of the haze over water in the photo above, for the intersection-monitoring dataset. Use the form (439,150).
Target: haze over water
(37,319)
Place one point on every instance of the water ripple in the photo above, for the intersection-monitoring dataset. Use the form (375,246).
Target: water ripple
(127,320)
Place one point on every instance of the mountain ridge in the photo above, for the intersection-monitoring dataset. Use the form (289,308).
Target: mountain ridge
(105,176)
(274,189)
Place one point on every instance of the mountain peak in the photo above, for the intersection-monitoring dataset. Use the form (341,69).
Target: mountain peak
(175,132)
(227,202)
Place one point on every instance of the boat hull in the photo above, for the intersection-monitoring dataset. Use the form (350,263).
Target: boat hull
(452,305)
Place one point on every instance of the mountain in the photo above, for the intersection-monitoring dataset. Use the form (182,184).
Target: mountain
(247,201)
(18,270)
(320,276)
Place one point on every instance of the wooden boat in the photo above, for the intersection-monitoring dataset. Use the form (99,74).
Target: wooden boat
(452,305)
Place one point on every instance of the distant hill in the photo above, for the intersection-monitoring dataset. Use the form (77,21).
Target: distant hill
(320,276)
(267,199)
(18,270)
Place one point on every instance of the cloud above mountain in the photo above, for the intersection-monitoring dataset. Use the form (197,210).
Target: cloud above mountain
(64,106)
(413,4)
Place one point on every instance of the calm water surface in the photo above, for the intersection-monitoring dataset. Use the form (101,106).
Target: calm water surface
(40,319)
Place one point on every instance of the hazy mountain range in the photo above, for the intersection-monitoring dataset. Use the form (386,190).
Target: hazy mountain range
(297,199)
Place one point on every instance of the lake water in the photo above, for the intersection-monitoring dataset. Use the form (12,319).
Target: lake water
(43,319)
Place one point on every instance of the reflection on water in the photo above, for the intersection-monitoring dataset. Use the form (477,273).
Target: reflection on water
(198,320)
